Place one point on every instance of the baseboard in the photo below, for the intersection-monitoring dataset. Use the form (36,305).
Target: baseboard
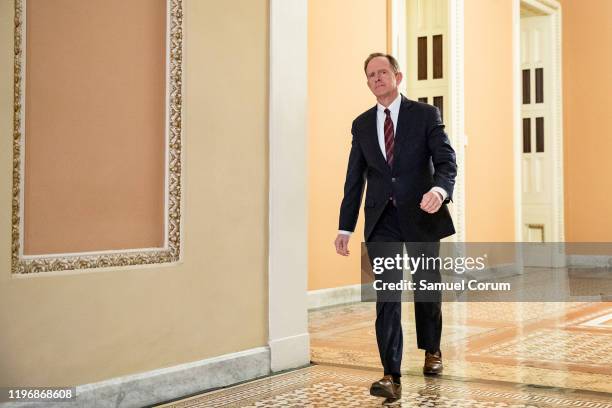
(334,296)
(600,261)
(290,352)
(497,272)
(165,384)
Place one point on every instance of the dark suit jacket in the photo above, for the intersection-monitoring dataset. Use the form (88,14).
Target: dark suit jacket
(423,158)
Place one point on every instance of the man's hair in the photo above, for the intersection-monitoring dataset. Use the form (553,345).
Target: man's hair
(390,58)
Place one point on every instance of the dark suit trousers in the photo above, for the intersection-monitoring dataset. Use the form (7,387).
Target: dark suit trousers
(428,315)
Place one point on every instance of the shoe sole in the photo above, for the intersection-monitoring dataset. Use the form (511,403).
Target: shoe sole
(392,402)
(381,392)
(432,372)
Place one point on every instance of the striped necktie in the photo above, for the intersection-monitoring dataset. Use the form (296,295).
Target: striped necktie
(389,137)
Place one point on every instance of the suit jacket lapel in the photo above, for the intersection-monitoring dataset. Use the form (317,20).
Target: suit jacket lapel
(403,125)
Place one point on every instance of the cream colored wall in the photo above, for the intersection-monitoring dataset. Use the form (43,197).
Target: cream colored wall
(489,169)
(587,102)
(80,328)
(341,34)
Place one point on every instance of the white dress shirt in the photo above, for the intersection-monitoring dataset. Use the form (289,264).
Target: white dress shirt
(394,108)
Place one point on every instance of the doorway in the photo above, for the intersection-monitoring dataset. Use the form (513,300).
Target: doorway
(426,36)
(538,133)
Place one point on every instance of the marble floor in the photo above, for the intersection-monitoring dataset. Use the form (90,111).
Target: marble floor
(339,387)
(495,355)
(566,345)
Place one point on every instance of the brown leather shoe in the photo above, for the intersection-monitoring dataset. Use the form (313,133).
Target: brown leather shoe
(392,402)
(433,363)
(386,388)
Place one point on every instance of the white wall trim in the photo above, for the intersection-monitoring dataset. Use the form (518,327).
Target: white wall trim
(601,261)
(334,296)
(398,37)
(516,119)
(457,105)
(553,9)
(288,226)
(516,131)
(557,122)
(290,352)
(499,271)
(156,386)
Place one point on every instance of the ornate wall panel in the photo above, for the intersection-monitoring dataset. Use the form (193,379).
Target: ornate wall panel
(28,258)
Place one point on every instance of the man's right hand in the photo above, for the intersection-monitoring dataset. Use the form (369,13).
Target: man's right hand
(341,243)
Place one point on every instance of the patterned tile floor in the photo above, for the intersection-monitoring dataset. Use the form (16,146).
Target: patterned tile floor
(550,344)
(495,354)
(323,386)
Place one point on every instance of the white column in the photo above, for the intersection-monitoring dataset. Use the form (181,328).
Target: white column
(457,104)
(288,256)
(516,119)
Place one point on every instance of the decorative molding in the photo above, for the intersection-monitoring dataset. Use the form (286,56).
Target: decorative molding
(172,249)
(541,6)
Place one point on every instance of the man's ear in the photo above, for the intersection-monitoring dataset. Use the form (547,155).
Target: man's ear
(398,77)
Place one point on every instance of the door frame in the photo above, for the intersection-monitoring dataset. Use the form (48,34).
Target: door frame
(552,11)
(397,47)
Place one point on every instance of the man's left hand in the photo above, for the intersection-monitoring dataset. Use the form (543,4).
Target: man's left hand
(431,202)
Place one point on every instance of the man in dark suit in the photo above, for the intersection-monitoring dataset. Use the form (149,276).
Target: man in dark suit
(400,148)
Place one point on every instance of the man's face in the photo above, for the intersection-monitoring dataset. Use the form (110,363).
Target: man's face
(382,81)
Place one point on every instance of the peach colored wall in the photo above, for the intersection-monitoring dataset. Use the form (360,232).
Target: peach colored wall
(587,108)
(93,325)
(489,168)
(341,34)
(95,117)
(488,76)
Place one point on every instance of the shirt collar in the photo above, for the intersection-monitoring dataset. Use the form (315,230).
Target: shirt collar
(393,107)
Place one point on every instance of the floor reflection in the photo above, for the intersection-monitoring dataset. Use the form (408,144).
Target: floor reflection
(565,345)
(325,386)
(495,354)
